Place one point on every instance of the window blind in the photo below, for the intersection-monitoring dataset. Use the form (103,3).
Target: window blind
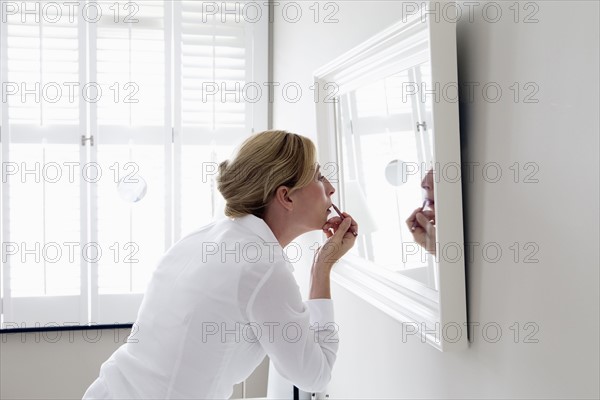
(41,197)
(216,64)
(42,60)
(152,113)
(130,60)
(213,66)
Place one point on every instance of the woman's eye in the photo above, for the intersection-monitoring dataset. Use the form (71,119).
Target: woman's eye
(321,177)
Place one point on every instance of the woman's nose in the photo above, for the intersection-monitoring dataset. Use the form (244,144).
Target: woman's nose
(331,188)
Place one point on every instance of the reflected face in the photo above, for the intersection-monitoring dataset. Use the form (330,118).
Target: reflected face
(315,201)
(427,185)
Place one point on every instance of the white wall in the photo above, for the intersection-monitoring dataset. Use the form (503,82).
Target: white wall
(61,365)
(560,213)
(54,365)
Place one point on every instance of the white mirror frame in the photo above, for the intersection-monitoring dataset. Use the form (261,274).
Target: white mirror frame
(439,317)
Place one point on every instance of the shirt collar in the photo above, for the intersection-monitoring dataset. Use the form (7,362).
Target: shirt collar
(260,227)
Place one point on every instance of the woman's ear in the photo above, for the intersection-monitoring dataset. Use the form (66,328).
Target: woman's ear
(282,196)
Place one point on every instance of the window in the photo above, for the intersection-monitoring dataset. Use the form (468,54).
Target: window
(114,117)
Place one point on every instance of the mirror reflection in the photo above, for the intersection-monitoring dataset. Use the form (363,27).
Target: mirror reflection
(385,155)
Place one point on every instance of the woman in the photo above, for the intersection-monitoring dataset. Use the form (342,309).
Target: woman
(224,296)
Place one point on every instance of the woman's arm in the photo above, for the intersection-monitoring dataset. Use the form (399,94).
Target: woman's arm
(299,337)
(320,286)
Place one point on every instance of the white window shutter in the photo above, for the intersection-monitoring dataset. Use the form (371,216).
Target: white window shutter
(42,202)
(152,109)
(133,127)
(220,59)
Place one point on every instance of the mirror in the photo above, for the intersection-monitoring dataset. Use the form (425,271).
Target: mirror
(385,138)
(132,189)
(388,137)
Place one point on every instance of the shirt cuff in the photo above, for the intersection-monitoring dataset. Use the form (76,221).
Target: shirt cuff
(321,311)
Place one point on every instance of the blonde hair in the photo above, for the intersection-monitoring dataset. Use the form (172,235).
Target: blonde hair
(264,162)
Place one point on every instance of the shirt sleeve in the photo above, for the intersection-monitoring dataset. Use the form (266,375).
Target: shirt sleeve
(301,338)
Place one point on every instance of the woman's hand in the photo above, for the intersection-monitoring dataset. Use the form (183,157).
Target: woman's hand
(339,239)
(424,228)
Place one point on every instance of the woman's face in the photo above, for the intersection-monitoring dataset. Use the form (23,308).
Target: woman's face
(314,201)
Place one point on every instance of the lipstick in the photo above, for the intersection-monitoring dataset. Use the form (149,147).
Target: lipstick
(337,210)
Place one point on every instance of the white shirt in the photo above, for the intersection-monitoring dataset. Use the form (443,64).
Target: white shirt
(220,299)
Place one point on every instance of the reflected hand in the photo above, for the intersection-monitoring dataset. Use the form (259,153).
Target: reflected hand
(424,228)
